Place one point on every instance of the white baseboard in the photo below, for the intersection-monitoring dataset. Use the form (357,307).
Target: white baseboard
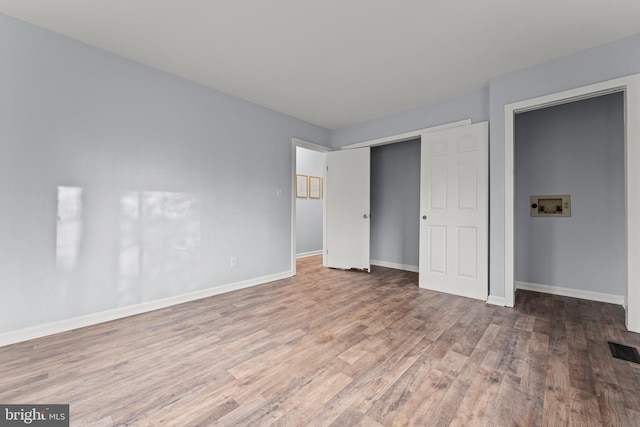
(386,264)
(494,300)
(574,293)
(56,327)
(308,254)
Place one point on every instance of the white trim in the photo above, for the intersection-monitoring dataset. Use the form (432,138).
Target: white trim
(405,267)
(295,142)
(308,254)
(630,85)
(573,293)
(310,145)
(405,136)
(493,300)
(509,196)
(59,326)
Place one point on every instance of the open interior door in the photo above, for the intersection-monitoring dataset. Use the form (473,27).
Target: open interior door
(454,213)
(347,208)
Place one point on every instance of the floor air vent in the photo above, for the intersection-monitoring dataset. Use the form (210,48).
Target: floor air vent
(624,352)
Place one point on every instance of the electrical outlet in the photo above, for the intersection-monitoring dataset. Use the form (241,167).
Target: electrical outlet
(234,261)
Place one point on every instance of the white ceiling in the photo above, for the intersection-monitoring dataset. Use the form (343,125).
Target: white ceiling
(336,62)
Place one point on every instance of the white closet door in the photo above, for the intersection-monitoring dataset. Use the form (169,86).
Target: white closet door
(454,211)
(347,208)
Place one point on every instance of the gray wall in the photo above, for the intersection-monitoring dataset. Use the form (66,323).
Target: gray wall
(575,149)
(175,179)
(309,211)
(395,203)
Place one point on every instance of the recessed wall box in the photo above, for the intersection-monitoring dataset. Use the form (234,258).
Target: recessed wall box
(559,205)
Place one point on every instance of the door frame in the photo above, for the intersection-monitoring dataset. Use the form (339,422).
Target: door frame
(295,143)
(407,136)
(391,139)
(630,86)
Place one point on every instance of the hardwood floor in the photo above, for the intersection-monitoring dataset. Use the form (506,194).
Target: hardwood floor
(336,348)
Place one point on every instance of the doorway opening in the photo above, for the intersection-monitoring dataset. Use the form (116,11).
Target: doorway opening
(453,231)
(395,205)
(630,86)
(575,150)
(307,204)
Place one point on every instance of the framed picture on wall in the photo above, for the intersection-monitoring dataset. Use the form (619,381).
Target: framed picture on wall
(315,187)
(302,189)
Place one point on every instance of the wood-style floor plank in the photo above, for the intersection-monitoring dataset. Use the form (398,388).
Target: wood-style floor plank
(338,348)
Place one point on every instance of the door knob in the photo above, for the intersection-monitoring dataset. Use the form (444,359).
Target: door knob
(365,216)
(424,217)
